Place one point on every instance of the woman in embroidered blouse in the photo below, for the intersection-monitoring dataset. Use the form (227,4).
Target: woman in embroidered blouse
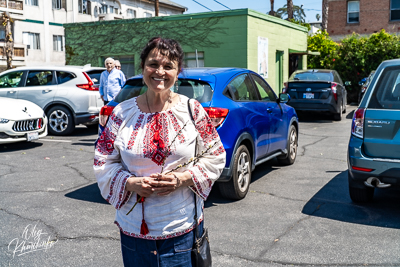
(146,137)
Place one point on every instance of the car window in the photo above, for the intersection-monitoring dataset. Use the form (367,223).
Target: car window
(63,76)
(12,79)
(132,88)
(39,78)
(311,76)
(263,88)
(95,75)
(241,89)
(386,94)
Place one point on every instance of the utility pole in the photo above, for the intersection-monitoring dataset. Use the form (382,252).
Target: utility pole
(325,8)
(8,48)
(157,7)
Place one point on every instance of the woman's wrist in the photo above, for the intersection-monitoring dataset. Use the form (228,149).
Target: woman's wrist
(183,179)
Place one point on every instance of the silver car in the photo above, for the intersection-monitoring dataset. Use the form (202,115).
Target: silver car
(67,94)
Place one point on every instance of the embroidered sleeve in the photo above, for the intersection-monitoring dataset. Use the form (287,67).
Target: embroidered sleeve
(110,174)
(209,167)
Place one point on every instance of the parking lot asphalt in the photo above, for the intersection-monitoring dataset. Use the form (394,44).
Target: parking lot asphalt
(299,215)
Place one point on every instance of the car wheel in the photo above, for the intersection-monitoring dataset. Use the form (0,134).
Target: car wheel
(292,144)
(338,116)
(238,186)
(365,194)
(60,121)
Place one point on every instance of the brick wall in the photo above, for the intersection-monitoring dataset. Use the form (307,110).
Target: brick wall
(374,16)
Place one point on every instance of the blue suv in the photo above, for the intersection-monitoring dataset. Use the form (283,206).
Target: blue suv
(254,124)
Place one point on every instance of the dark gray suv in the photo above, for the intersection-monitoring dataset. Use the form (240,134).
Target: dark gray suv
(68,94)
(374,147)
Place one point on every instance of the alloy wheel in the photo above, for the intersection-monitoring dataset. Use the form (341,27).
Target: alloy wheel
(293,144)
(243,170)
(58,121)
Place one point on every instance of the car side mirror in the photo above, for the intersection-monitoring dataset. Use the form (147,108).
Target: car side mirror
(284,98)
(348,83)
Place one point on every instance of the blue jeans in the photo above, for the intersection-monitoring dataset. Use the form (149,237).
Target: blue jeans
(172,252)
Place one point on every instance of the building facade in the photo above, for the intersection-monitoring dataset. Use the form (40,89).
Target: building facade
(363,17)
(38,30)
(240,38)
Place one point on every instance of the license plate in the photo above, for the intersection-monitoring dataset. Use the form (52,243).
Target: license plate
(308,95)
(32,136)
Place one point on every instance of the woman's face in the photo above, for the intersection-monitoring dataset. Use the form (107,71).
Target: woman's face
(159,73)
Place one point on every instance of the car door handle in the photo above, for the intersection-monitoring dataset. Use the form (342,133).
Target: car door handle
(47,90)
(269,110)
(12,92)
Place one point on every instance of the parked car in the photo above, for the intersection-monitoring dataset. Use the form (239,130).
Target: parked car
(66,93)
(374,146)
(254,124)
(21,120)
(364,84)
(318,91)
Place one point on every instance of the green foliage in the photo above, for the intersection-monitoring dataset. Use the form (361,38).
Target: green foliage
(355,57)
(321,42)
(305,24)
(298,13)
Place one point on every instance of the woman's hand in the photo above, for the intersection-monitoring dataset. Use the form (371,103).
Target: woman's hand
(139,185)
(164,184)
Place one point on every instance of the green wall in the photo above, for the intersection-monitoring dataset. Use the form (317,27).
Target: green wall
(227,38)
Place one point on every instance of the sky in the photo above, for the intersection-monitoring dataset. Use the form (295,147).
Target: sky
(311,7)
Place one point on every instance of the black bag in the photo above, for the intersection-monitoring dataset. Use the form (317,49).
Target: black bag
(201,253)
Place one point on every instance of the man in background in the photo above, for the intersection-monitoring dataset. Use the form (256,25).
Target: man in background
(111,81)
(118,66)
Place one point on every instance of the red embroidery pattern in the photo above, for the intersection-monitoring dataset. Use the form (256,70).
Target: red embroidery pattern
(156,138)
(158,237)
(204,126)
(197,186)
(219,151)
(99,162)
(115,181)
(177,128)
(105,144)
(135,132)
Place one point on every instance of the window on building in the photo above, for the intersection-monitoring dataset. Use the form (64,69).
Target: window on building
(190,60)
(116,10)
(395,10)
(31,2)
(130,13)
(103,9)
(147,15)
(353,11)
(31,39)
(84,7)
(58,4)
(111,9)
(2,35)
(58,43)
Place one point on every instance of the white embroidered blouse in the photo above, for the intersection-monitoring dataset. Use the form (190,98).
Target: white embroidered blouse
(135,143)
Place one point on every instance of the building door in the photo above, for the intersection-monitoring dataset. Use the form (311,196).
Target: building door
(279,71)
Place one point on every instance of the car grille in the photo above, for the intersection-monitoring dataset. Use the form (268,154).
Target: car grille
(28,125)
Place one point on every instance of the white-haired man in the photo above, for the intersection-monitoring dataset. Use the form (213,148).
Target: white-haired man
(111,81)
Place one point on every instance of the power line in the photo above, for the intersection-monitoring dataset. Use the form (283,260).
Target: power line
(222,4)
(201,5)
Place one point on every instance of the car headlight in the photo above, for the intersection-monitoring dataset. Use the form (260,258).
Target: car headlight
(4,120)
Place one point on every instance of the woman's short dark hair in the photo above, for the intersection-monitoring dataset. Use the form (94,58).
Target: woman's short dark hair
(167,47)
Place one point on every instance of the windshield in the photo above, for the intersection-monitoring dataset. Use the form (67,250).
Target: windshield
(199,90)
(311,76)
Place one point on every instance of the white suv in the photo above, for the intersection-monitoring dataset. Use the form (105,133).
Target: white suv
(69,95)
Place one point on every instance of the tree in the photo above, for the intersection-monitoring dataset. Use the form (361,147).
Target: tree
(298,13)
(318,16)
(272,12)
(325,8)
(9,43)
(290,9)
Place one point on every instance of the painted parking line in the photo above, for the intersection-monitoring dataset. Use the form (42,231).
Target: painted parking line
(55,140)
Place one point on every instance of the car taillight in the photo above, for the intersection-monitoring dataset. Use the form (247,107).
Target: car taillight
(87,86)
(217,115)
(104,113)
(285,87)
(334,91)
(357,127)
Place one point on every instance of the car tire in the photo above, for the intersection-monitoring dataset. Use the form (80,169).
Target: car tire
(365,194)
(60,121)
(338,116)
(238,186)
(292,144)
(344,105)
